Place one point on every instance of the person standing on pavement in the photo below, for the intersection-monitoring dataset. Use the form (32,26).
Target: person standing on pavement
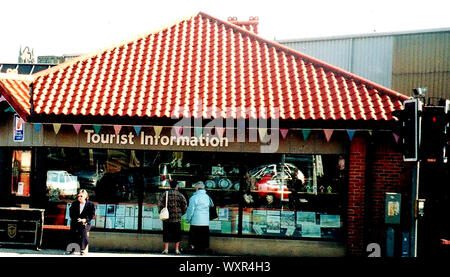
(177,205)
(197,215)
(82,211)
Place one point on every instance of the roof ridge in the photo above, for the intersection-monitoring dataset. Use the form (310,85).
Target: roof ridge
(123,42)
(311,59)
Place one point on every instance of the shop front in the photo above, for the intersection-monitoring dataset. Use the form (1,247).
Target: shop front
(296,194)
(283,142)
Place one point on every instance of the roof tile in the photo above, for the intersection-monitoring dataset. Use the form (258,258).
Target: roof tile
(201,66)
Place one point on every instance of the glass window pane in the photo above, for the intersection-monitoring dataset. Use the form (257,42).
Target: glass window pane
(21,170)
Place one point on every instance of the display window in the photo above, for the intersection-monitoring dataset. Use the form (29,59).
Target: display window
(256,194)
(20,172)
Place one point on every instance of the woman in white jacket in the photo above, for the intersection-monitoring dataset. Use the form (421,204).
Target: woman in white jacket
(197,215)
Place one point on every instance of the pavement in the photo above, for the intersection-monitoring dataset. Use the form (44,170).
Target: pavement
(24,252)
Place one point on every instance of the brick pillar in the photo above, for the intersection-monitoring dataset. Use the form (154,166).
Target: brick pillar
(355,209)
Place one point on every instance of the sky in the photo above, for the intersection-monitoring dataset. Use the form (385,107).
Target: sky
(58,27)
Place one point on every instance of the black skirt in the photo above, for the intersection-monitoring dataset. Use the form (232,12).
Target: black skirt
(171,231)
(199,238)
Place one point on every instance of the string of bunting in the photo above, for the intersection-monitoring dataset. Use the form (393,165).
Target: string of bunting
(219,131)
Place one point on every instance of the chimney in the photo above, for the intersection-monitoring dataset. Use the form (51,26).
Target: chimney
(251,25)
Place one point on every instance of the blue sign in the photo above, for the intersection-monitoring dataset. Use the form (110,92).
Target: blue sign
(19,129)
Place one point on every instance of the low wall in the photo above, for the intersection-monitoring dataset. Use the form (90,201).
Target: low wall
(134,242)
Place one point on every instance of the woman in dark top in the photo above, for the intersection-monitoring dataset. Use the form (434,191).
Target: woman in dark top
(177,205)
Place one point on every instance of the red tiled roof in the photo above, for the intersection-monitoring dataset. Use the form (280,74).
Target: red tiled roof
(20,98)
(208,67)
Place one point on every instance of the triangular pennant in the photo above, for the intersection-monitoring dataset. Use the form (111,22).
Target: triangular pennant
(219,131)
(56,127)
(2,99)
(137,129)
(284,132)
(157,130)
(178,130)
(351,133)
(97,128)
(328,133)
(198,131)
(262,133)
(396,137)
(9,109)
(370,132)
(37,127)
(77,128)
(306,133)
(117,129)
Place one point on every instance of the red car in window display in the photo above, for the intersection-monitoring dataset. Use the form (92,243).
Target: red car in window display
(272,181)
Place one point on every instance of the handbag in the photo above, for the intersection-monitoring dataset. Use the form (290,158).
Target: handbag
(164,214)
(213,212)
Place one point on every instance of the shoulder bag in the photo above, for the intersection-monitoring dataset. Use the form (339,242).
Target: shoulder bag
(164,214)
(212,211)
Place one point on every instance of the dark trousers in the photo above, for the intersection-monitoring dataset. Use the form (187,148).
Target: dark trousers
(80,235)
(199,238)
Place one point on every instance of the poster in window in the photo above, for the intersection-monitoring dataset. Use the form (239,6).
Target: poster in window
(130,223)
(259,221)
(100,210)
(120,210)
(100,221)
(147,223)
(287,219)
(157,224)
(215,226)
(120,222)
(226,227)
(330,221)
(273,222)
(306,217)
(147,211)
(310,230)
(110,222)
(111,210)
(68,210)
(223,214)
(246,224)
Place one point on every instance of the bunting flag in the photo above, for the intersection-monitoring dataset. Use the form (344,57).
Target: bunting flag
(9,109)
(284,132)
(117,129)
(56,127)
(396,137)
(178,130)
(328,133)
(351,133)
(77,128)
(137,129)
(157,130)
(2,99)
(97,128)
(37,127)
(370,132)
(262,133)
(219,131)
(198,131)
(306,133)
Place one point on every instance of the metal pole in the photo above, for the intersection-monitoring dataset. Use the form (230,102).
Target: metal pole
(415,197)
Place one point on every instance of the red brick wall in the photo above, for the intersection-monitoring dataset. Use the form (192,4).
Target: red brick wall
(355,212)
(388,173)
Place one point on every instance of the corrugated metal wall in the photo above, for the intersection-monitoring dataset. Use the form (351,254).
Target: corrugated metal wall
(369,57)
(422,60)
(398,61)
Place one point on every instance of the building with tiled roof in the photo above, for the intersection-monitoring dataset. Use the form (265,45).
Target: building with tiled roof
(112,111)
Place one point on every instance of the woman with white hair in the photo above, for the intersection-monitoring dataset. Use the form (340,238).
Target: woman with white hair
(197,215)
